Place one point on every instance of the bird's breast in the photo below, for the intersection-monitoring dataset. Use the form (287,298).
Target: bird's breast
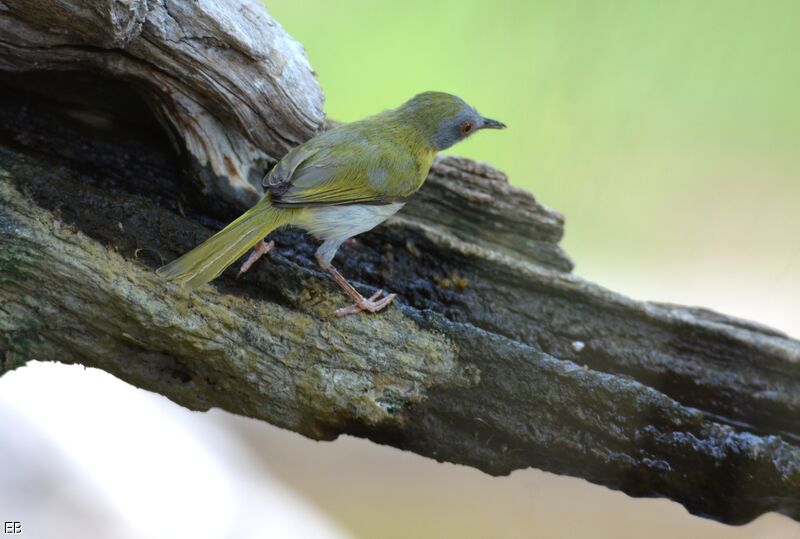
(346,221)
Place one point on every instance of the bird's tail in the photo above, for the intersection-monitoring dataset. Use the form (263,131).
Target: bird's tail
(205,262)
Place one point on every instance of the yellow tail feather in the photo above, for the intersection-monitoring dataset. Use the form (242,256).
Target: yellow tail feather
(205,262)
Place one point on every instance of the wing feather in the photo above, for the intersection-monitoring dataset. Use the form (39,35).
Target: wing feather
(345,166)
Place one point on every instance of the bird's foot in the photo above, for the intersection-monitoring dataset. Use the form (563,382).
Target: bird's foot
(260,250)
(371,304)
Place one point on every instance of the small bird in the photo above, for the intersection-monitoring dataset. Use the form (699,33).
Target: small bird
(338,184)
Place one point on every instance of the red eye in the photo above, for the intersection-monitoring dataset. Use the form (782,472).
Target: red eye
(466,127)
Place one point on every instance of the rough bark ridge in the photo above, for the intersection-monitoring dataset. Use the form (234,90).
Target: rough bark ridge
(233,88)
(496,356)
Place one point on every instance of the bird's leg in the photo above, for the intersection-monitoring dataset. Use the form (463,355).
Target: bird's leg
(371,304)
(258,251)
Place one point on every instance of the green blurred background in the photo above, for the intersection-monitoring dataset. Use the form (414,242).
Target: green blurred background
(667,133)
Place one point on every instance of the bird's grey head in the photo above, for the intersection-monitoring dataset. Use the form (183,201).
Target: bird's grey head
(446,119)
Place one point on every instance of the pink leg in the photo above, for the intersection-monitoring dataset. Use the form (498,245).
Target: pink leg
(371,304)
(260,250)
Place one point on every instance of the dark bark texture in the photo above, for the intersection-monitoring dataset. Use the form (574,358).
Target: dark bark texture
(115,132)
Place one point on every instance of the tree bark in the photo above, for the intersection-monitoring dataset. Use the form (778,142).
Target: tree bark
(495,356)
(233,89)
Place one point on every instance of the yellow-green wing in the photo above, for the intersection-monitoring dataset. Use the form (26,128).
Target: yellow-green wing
(347,165)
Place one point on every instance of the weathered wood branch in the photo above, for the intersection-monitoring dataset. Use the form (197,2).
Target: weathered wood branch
(232,87)
(495,356)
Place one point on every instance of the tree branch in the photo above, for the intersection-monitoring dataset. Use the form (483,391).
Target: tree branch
(232,87)
(495,356)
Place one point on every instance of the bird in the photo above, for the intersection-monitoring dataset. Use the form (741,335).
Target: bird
(338,184)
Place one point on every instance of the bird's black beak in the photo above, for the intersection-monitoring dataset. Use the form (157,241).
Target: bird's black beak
(488,123)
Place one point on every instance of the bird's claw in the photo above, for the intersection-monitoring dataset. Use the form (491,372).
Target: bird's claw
(371,304)
(260,250)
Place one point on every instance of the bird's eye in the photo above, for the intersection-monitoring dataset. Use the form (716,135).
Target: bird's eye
(466,127)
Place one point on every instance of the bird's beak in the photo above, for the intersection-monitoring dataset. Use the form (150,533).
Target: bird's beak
(488,123)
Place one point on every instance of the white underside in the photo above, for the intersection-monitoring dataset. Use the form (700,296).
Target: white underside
(335,224)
